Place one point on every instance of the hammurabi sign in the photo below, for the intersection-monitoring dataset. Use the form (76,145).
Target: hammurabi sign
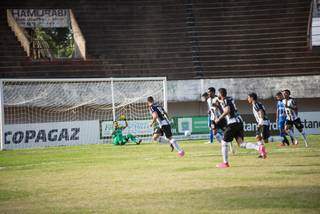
(47,18)
(50,134)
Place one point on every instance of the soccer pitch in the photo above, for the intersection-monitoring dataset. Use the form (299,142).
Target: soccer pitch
(150,179)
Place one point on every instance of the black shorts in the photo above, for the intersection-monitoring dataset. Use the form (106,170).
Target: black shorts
(222,124)
(297,123)
(164,130)
(233,130)
(264,132)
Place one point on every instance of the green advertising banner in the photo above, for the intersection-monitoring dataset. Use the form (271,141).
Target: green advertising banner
(199,125)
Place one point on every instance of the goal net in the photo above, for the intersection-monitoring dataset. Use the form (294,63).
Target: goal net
(54,112)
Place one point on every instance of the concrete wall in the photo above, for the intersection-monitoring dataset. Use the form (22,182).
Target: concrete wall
(197,108)
(266,88)
(184,95)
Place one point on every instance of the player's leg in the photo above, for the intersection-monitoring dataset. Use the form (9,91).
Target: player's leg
(218,134)
(282,133)
(133,138)
(247,145)
(211,132)
(259,146)
(289,130)
(220,127)
(158,136)
(123,140)
(167,132)
(300,127)
(211,136)
(227,139)
(116,140)
(265,133)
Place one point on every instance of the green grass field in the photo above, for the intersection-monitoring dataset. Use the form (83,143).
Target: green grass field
(150,179)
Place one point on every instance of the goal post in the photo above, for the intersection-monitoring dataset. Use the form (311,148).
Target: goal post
(56,112)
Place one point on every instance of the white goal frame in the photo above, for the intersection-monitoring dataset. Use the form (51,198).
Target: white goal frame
(111,80)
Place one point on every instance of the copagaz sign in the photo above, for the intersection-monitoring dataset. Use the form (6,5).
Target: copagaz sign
(50,134)
(46,18)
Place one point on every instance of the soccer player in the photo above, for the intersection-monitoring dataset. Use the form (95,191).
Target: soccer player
(119,138)
(259,112)
(159,115)
(205,98)
(216,112)
(292,117)
(234,128)
(281,119)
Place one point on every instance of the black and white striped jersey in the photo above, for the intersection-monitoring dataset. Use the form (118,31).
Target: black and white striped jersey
(233,116)
(256,108)
(290,107)
(162,119)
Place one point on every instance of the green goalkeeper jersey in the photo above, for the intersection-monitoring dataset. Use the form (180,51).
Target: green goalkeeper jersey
(118,131)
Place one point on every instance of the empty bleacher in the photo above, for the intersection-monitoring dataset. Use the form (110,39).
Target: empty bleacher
(254,38)
(179,39)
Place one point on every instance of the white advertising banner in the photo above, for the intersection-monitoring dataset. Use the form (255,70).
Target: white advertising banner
(46,18)
(185,124)
(51,134)
(311,122)
(135,127)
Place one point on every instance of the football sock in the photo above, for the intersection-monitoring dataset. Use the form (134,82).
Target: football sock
(224,151)
(285,140)
(303,133)
(175,145)
(291,134)
(211,136)
(218,137)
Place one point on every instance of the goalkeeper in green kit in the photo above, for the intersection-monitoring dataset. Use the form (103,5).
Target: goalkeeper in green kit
(117,135)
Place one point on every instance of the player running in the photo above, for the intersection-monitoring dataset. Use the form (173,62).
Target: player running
(281,119)
(119,138)
(259,112)
(292,117)
(234,129)
(159,115)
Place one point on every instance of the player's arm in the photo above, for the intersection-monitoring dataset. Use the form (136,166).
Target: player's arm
(166,115)
(261,116)
(226,111)
(293,105)
(154,118)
